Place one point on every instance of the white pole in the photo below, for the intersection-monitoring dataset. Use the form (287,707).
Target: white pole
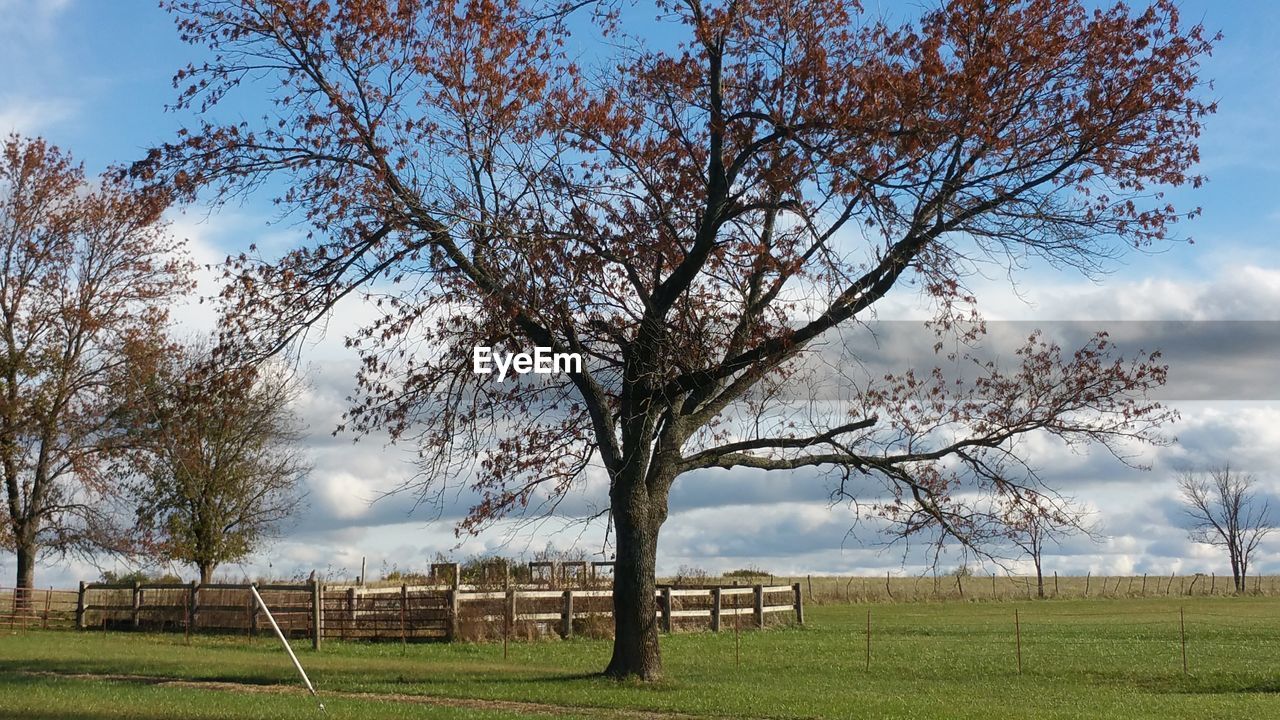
(287,648)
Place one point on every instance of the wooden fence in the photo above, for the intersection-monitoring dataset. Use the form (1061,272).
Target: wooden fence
(414,613)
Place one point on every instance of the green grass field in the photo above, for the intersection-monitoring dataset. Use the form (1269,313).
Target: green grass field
(1081,659)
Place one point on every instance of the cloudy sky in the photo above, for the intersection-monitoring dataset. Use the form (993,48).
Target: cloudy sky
(94,77)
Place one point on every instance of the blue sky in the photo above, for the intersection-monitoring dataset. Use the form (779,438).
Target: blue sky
(93,76)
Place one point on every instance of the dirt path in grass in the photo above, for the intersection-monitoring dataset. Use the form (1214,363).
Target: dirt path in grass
(515,706)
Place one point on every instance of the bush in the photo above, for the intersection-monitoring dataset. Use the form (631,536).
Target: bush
(406,577)
(690,575)
(140,576)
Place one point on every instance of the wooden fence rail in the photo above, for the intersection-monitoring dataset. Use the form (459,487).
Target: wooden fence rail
(408,613)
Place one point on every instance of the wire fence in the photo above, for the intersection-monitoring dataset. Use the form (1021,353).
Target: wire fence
(1044,638)
(826,589)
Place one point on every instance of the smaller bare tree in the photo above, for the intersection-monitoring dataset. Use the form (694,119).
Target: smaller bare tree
(216,456)
(1032,526)
(1228,512)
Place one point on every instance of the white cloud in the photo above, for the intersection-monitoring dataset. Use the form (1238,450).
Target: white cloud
(29,20)
(33,116)
(27,30)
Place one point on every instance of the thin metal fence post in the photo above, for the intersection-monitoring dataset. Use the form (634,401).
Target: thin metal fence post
(737,633)
(868,639)
(1017,627)
(1182,623)
(509,622)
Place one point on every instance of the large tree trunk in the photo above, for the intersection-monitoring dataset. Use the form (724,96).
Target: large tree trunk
(1039,580)
(26,574)
(206,572)
(635,641)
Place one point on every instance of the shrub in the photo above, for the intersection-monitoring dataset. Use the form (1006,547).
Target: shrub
(748,572)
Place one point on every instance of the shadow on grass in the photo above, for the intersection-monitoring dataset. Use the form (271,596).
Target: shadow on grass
(28,670)
(19,671)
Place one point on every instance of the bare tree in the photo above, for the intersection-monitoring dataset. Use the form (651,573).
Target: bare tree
(1228,513)
(217,460)
(1036,524)
(692,217)
(87,273)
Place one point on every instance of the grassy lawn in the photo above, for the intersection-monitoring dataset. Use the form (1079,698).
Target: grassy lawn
(1081,659)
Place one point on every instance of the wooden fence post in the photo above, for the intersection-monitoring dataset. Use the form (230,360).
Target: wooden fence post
(566,616)
(404,614)
(666,609)
(48,598)
(137,604)
(317,614)
(888,590)
(193,597)
(350,619)
(457,576)
(509,621)
(253,613)
(758,592)
(1087,576)
(80,607)
(1055,583)
(715,609)
(799,605)
(452,597)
